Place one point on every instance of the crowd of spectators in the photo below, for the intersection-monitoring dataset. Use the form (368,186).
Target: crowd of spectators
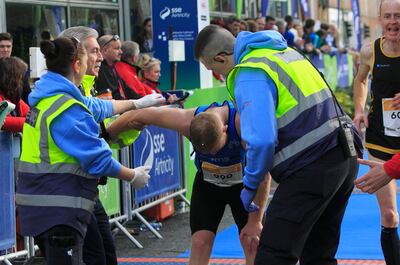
(302,36)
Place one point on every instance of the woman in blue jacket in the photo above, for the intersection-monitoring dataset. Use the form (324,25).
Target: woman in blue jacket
(62,156)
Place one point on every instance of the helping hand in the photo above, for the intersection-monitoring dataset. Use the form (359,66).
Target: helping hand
(149,100)
(141,177)
(247,197)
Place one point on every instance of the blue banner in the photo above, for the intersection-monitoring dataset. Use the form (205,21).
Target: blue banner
(264,7)
(295,11)
(343,70)
(306,10)
(318,62)
(158,148)
(176,20)
(7,216)
(357,22)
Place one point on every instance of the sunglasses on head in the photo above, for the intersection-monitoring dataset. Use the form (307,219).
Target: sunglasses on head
(113,38)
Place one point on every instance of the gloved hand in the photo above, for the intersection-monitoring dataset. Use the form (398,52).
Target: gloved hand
(149,100)
(247,195)
(141,177)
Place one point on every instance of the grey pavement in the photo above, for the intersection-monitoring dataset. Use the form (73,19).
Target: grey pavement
(176,237)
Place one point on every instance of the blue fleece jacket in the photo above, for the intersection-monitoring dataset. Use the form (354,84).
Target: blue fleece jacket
(256,99)
(75,131)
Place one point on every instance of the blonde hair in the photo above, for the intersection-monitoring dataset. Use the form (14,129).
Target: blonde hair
(146,62)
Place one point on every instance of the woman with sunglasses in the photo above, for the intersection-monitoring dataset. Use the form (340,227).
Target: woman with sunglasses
(62,156)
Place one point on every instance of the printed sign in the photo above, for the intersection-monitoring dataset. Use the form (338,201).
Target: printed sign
(158,148)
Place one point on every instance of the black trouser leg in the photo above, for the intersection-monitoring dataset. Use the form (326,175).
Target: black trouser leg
(297,206)
(61,245)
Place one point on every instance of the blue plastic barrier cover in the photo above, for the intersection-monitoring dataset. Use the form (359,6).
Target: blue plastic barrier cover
(7,215)
(158,148)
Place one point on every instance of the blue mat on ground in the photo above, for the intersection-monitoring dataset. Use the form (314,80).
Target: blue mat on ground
(360,237)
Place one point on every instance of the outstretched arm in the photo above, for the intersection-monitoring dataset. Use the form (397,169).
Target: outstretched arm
(171,118)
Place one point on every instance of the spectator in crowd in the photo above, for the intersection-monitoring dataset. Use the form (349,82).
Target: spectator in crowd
(252,25)
(260,21)
(12,69)
(109,80)
(145,37)
(299,41)
(6,45)
(380,58)
(269,23)
(232,24)
(311,39)
(60,165)
(151,72)
(309,35)
(243,25)
(127,69)
(290,34)
(218,21)
(280,24)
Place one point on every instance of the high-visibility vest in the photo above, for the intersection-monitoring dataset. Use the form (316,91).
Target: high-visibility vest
(300,91)
(123,139)
(52,188)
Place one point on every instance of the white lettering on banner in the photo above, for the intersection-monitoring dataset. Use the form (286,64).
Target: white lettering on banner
(159,143)
(164,166)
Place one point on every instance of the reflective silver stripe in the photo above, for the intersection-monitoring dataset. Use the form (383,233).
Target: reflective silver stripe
(289,56)
(294,90)
(54,201)
(306,104)
(58,168)
(306,141)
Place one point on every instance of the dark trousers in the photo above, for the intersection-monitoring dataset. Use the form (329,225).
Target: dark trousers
(98,247)
(61,245)
(304,217)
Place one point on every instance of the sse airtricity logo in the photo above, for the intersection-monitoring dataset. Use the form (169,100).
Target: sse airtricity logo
(174,12)
(165,13)
(147,155)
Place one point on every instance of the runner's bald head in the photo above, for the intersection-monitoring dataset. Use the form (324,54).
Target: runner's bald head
(212,40)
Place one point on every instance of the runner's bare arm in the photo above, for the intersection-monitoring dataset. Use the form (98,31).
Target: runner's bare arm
(360,85)
(171,118)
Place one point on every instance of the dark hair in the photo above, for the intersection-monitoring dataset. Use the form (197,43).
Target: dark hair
(231,19)
(309,23)
(324,26)
(145,21)
(60,53)
(289,19)
(6,36)
(268,18)
(12,70)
